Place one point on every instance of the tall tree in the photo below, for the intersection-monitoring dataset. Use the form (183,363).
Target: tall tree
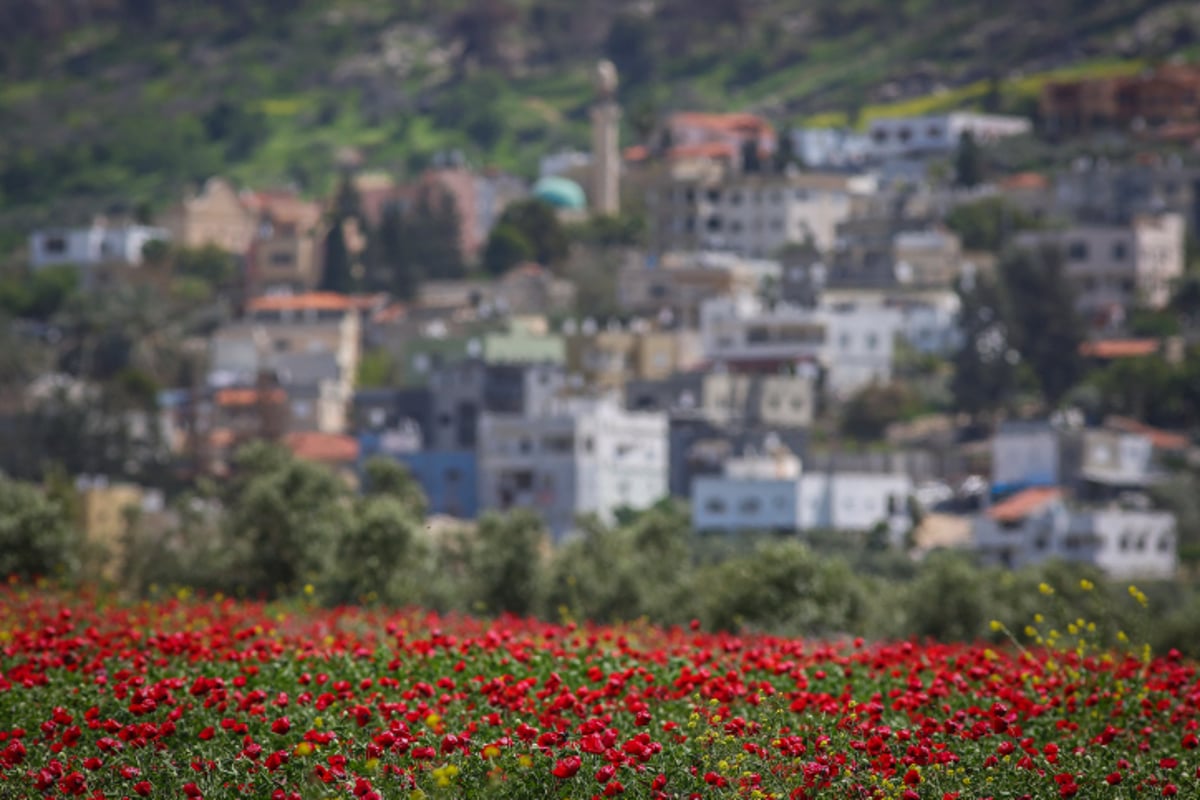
(506,248)
(391,254)
(785,151)
(968,162)
(985,364)
(436,240)
(1047,330)
(336,275)
(537,222)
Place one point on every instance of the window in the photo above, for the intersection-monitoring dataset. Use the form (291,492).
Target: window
(715,505)
(714,195)
(872,341)
(735,198)
(844,341)
(525,446)
(589,445)
(1077,251)
(282,258)
(714,223)
(1119,251)
(904,134)
(735,227)
(55,245)
(451,475)
(802,195)
(1164,544)
(750,505)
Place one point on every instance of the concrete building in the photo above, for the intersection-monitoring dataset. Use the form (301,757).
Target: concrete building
(851,345)
(1036,525)
(98,244)
(605,359)
(1033,453)
(938,134)
(588,456)
(1168,94)
(1100,193)
(462,392)
(830,148)
(729,399)
(285,253)
(310,343)
(678,283)
(752,214)
(773,492)
(449,478)
(1117,267)
(214,215)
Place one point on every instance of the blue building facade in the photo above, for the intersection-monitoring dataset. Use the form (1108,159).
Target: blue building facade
(449,477)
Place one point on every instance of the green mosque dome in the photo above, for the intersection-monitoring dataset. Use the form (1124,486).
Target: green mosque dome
(560,193)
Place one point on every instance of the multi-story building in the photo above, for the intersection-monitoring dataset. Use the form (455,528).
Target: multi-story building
(1101,193)
(753,214)
(463,391)
(1169,94)
(851,345)
(588,456)
(773,492)
(214,215)
(677,283)
(728,399)
(98,244)
(449,478)
(938,134)
(607,358)
(1117,267)
(1037,525)
(309,342)
(285,254)
(1033,453)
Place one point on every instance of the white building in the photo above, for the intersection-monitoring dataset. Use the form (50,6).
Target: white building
(772,492)
(830,147)
(854,344)
(928,318)
(587,456)
(1119,266)
(753,214)
(100,243)
(1036,525)
(938,134)
(1026,454)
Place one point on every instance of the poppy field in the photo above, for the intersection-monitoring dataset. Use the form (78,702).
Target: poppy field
(211,698)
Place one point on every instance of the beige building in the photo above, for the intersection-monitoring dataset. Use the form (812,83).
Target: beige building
(104,522)
(730,399)
(310,342)
(285,253)
(215,215)
(606,359)
(1117,267)
(681,282)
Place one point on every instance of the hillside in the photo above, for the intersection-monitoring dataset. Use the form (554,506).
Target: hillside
(126,100)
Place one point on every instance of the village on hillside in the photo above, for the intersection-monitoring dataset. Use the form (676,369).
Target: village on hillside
(883,331)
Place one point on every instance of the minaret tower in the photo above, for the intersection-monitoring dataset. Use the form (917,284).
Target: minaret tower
(606,160)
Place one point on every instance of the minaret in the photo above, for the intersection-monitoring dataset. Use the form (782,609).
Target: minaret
(606,161)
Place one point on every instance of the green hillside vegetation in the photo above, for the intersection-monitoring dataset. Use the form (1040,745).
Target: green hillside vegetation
(126,101)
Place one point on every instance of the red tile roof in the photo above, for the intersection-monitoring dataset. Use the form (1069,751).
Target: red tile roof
(248,397)
(325,448)
(1025,180)
(309,301)
(1023,503)
(702,150)
(1119,348)
(725,123)
(1163,440)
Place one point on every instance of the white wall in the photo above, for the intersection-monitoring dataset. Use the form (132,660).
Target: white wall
(90,246)
(1025,455)
(1132,543)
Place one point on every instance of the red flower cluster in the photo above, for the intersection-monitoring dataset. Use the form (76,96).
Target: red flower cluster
(216,698)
